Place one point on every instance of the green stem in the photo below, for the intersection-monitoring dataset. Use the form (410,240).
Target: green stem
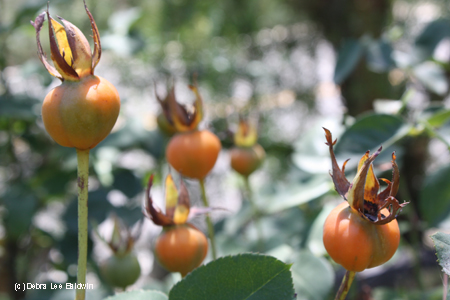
(208,220)
(345,285)
(256,214)
(83,174)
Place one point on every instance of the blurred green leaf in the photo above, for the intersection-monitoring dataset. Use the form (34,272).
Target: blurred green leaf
(244,276)
(18,107)
(313,277)
(293,196)
(98,206)
(435,196)
(432,35)
(348,58)
(126,182)
(442,244)
(439,118)
(315,237)
(369,133)
(432,76)
(20,204)
(139,295)
(436,114)
(378,55)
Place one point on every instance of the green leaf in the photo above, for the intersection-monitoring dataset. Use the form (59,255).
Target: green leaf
(369,133)
(21,205)
(348,58)
(139,295)
(432,76)
(18,107)
(434,198)
(435,114)
(431,36)
(378,55)
(313,277)
(442,244)
(304,192)
(244,276)
(126,182)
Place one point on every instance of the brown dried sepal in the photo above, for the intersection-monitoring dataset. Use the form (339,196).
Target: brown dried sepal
(362,194)
(153,212)
(70,50)
(182,118)
(341,183)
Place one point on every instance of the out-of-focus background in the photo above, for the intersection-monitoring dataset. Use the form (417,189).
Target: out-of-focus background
(376,71)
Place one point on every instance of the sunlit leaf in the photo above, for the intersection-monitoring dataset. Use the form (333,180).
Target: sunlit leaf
(442,244)
(244,276)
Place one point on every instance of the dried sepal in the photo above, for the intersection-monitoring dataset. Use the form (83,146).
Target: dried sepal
(37,24)
(70,50)
(179,116)
(122,240)
(57,56)
(356,193)
(177,204)
(81,60)
(362,194)
(96,36)
(153,212)
(183,206)
(171,196)
(341,183)
(247,134)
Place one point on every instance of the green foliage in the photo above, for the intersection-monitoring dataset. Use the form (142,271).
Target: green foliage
(244,276)
(313,277)
(434,197)
(442,244)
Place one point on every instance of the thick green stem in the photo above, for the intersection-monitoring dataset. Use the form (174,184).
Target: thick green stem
(83,175)
(208,220)
(256,214)
(345,285)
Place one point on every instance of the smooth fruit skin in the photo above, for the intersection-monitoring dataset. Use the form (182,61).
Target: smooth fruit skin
(193,153)
(181,248)
(357,244)
(81,114)
(121,271)
(246,160)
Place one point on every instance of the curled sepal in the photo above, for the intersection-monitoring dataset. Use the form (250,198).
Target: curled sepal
(121,241)
(171,196)
(246,135)
(386,199)
(96,36)
(177,204)
(362,194)
(341,183)
(70,50)
(37,24)
(357,192)
(182,118)
(153,212)
(183,206)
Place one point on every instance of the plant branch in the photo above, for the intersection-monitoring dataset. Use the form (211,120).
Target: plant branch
(83,177)
(345,285)
(208,220)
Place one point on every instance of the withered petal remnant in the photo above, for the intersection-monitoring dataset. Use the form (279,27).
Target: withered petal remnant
(362,194)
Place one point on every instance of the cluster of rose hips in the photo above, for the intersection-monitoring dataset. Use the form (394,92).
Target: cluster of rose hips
(358,234)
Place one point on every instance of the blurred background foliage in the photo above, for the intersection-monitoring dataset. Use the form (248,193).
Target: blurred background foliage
(373,72)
